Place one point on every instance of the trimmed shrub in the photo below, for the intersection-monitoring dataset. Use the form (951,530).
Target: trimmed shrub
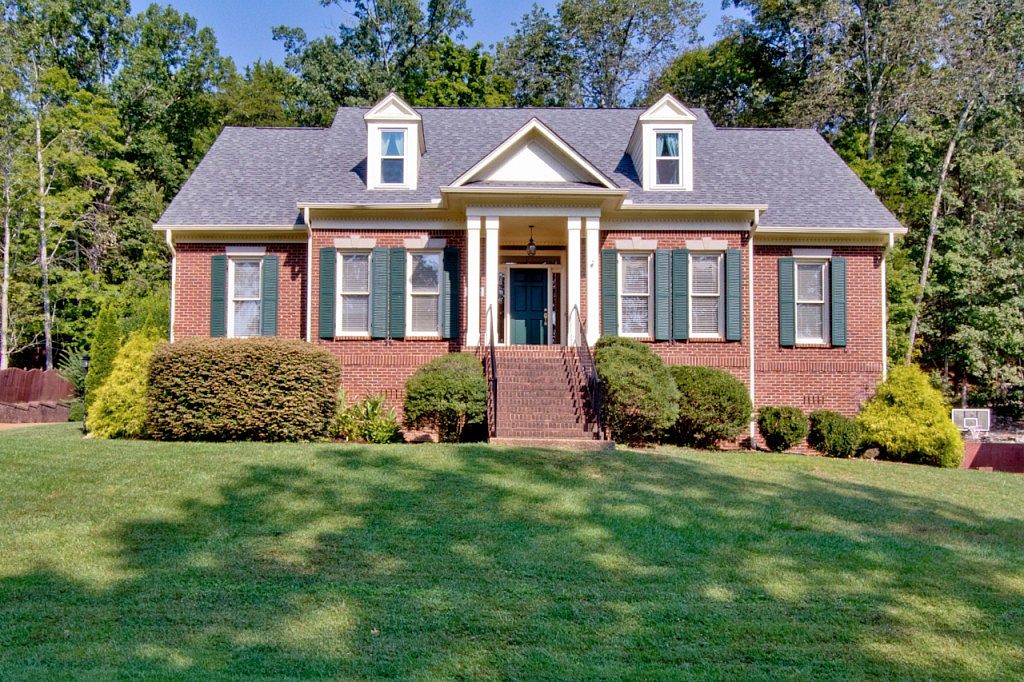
(640,401)
(833,434)
(713,405)
(448,394)
(781,427)
(261,389)
(118,409)
(908,421)
(366,421)
(103,347)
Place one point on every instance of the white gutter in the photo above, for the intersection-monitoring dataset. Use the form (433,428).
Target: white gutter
(174,277)
(309,275)
(885,310)
(833,230)
(231,228)
(750,307)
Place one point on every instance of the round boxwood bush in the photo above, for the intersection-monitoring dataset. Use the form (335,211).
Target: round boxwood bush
(447,394)
(118,408)
(640,401)
(908,421)
(833,434)
(713,405)
(263,389)
(781,427)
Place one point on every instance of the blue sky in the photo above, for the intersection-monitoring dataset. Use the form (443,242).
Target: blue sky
(243,26)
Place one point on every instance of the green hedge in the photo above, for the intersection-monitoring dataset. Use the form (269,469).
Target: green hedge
(833,434)
(908,421)
(781,427)
(640,401)
(242,389)
(118,407)
(448,394)
(713,406)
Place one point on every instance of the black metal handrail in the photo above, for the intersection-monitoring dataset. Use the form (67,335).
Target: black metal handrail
(492,379)
(578,340)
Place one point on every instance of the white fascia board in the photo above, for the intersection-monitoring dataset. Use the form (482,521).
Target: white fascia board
(762,229)
(295,227)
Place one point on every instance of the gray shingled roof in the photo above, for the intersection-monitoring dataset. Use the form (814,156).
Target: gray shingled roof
(255,176)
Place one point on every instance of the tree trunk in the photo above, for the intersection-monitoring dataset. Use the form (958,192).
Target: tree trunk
(5,283)
(933,225)
(44,256)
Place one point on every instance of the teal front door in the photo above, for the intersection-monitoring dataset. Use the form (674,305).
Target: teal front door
(529,299)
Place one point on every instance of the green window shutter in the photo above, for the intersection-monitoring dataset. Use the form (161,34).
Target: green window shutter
(396,309)
(662,295)
(379,268)
(450,294)
(838,301)
(680,294)
(787,304)
(219,296)
(268,297)
(328,271)
(609,292)
(733,295)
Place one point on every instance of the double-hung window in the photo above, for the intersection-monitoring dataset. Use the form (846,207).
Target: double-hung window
(392,157)
(424,316)
(811,302)
(635,294)
(668,159)
(707,309)
(354,293)
(244,277)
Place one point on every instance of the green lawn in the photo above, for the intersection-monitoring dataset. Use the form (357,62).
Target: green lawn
(205,561)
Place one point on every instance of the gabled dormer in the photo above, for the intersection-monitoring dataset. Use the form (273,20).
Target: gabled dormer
(394,144)
(662,146)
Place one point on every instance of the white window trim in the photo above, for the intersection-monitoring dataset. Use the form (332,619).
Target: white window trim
(720,296)
(338,308)
(826,313)
(404,157)
(409,333)
(232,260)
(678,184)
(650,295)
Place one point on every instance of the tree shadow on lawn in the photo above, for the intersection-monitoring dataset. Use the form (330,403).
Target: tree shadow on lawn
(535,564)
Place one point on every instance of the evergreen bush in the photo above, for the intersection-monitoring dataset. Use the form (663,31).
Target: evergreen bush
(639,398)
(781,427)
(713,406)
(118,409)
(103,347)
(447,394)
(833,434)
(908,421)
(260,389)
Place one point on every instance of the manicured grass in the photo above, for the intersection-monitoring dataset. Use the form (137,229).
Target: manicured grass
(205,561)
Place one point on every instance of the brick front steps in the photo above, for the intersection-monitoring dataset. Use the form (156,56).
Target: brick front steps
(542,400)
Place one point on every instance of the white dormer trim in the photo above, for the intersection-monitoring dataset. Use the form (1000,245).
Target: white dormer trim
(666,115)
(534,127)
(393,113)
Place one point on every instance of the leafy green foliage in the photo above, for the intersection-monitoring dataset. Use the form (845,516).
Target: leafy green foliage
(908,421)
(262,389)
(640,401)
(106,341)
(781,427)
(448,394)
(119,407)
(369,420)
(833,434)
(713,405)
(70,367)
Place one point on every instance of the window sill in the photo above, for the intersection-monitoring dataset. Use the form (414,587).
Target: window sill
(804,344)
(706,339)
(350,336)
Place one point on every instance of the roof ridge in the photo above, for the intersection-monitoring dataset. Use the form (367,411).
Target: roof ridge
(776,129)
(276,128)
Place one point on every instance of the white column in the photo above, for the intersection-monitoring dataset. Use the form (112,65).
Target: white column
(572,271)
(491,297)
(473,281)
(593,280)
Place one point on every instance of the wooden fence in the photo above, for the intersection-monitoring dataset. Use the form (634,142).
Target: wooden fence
(33,395)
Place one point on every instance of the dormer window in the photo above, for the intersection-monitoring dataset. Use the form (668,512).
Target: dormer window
(392,157)
(668,159)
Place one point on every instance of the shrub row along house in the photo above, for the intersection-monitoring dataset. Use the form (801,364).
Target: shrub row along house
(398,234)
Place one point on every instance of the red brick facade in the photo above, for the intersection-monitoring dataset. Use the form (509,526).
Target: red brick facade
(806,377)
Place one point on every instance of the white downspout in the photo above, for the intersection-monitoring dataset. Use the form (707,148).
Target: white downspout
(885,309)
(309,275)
(174,273)
(750,314)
